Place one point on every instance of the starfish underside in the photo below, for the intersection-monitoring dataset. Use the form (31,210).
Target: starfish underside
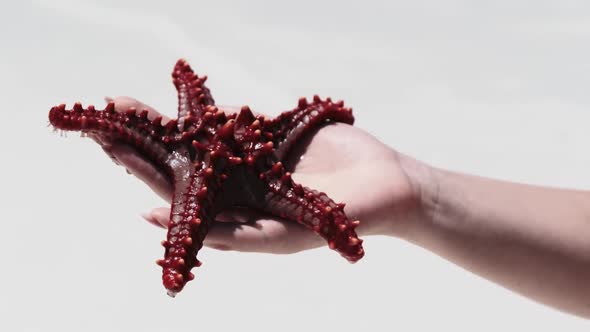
(205,151)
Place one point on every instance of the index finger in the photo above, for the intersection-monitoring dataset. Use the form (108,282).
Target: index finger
(123,103)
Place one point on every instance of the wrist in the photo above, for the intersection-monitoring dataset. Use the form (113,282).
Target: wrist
(424,186)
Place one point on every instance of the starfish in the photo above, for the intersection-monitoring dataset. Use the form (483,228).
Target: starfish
(205,152)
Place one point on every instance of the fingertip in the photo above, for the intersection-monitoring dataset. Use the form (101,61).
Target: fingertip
(229,109)
(149,218)
(162,214)
(124,103)
(158,217)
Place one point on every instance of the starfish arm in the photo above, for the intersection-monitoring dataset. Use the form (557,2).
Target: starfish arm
(191,217)
(193,95)
(287,199)
(289,126)
(131,127)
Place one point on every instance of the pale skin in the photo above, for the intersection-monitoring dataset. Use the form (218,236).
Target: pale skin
(532,240)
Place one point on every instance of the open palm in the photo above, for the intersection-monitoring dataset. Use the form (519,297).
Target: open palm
(345,162)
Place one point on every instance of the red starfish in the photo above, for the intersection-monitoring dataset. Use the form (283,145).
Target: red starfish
(206,152)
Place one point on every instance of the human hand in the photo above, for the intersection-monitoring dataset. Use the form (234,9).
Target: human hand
(347,163)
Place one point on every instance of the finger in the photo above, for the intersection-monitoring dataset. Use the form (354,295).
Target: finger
(158,217)
(126,156)
(142,169)
(123,154)
(236,109)
(161,216)
(261,235)
(106,144)
(124,103)
(264,235)
(229,109)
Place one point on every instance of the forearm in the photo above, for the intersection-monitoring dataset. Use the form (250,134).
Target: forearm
(533,240)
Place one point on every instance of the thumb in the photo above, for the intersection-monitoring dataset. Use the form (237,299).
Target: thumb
(260,235)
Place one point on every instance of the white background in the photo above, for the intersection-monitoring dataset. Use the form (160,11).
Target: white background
(495,88)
